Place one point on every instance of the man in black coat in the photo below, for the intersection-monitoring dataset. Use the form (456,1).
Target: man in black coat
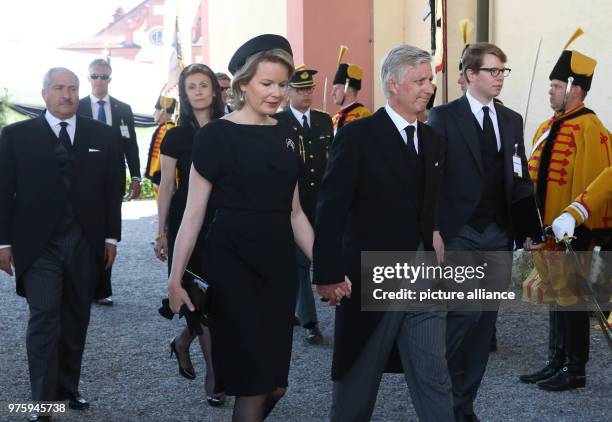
(60,220)
(379,193)
(314,132)
(484,178)
(100,106)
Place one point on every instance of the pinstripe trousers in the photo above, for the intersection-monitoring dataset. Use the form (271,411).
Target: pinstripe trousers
(59,289)
(421,338)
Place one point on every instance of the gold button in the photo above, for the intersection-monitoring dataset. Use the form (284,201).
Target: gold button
(311,183)
(311,156)
(312,170)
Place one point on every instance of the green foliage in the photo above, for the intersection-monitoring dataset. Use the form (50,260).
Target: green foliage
(4,108)
(146,188)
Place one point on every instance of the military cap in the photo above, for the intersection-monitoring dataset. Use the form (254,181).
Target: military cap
(577,65)
(255,45)
(303,78)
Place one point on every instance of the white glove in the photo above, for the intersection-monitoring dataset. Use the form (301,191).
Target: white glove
(564,225)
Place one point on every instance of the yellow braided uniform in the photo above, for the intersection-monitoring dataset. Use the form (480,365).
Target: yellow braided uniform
(351,114)
(597,196)
(581,151)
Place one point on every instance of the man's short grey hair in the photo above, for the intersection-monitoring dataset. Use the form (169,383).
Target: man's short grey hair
(56,71)
(393,65)
(102,63)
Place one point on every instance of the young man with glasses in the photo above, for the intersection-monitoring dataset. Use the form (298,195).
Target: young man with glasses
(484,176)
(315,133)
(100,106)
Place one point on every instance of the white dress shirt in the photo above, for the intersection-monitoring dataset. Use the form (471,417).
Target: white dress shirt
(298,115)
(54,122)
(107,108)
(476,107)
(401,125)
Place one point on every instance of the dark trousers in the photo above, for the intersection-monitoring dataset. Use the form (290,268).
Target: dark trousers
(469,333)
(420,338)
(568,340)
(105,289)
(305,304)
(59,289)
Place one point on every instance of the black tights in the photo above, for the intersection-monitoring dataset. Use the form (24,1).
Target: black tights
(185,339)
(256,408)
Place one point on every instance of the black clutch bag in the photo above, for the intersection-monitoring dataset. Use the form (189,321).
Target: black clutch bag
(199,294)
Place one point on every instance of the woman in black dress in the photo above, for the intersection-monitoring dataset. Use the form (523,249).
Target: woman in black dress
(200,98)
(251,163)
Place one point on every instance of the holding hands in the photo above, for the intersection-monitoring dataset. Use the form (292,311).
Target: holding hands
(334,293)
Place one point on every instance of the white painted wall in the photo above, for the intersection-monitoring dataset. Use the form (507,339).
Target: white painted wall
(516,27)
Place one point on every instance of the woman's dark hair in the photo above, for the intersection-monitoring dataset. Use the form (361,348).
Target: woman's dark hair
(186,116)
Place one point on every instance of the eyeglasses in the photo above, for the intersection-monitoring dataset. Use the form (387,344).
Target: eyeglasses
(95,76)
(495,71)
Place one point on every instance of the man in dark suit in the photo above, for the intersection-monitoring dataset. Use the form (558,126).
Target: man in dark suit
(59,226)
(226,86)
(314,132)
(484,174)
(99,105)
(379,193)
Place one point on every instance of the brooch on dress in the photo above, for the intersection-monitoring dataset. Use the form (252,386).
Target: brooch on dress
(290,144)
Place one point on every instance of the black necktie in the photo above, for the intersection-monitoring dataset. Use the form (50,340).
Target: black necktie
(410,139)
(64,138)
(487,128)
(305,123)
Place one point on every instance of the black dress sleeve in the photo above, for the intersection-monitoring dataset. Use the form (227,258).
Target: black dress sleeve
(210,150)
(171,145)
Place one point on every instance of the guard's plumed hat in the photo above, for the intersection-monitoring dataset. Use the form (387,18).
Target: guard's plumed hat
(577,65)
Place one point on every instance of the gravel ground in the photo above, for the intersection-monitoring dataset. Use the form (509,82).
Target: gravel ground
(128,376)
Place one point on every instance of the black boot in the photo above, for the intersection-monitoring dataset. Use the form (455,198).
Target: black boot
(563,380)
(551,368)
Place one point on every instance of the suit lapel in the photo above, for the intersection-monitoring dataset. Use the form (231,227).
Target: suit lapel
(85,107)
(81,143)
(465,121)
(115,112)
(393,146)
(508,139)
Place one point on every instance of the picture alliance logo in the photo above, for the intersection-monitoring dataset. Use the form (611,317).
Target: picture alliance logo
(412,273)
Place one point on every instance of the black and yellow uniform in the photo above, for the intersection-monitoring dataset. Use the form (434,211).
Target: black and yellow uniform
(569,151)
(348,114)
(350,75)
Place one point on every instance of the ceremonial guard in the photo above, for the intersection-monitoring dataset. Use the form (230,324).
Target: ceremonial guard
(314,132)
(569,151)
(164,109)
(347,84)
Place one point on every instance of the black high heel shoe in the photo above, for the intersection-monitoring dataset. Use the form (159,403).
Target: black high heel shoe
(189,374)
(216,400)
(213,399)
